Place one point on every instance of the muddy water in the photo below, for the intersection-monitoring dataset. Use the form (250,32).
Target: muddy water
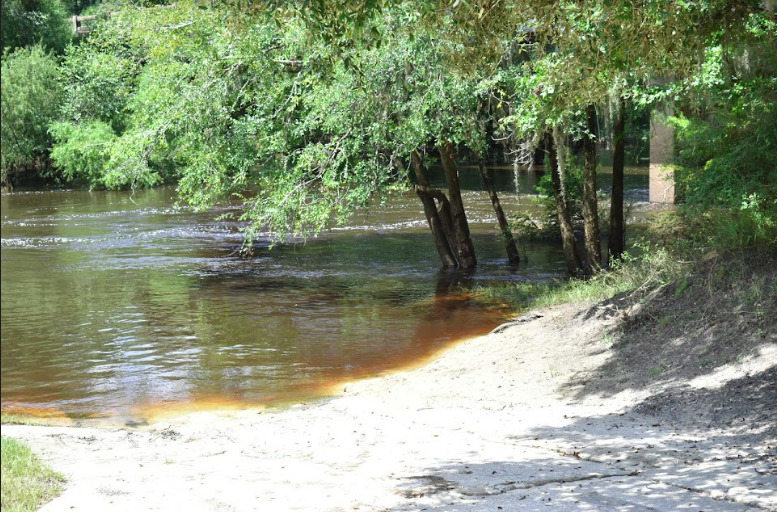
(120,306)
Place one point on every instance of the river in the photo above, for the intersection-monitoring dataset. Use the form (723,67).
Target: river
(121,306)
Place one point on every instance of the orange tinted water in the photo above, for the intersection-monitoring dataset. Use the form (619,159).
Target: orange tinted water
(119,307)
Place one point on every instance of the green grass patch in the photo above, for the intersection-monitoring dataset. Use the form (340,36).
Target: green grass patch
(682,286)
(16,419)
(657,370)
(26,482)
(655,266)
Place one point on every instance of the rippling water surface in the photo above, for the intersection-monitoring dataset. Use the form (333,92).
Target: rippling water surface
(119,305)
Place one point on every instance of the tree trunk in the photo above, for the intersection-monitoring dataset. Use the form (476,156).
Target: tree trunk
(590,208)
(463,247)
(512,249)
(568,242)
(436,224)
(617,241)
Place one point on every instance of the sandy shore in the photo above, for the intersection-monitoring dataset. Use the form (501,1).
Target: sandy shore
(515,420)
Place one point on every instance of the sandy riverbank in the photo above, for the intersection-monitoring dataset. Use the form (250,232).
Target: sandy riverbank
(547,414)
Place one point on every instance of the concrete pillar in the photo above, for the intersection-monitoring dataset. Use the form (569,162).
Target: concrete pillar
(662,178)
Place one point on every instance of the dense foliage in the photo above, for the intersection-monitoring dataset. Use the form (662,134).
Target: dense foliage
(31,96)
(30,22)
(728,141)
(306,112)
(727,155)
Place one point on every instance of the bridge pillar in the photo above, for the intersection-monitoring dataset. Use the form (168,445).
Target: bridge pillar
(662,179)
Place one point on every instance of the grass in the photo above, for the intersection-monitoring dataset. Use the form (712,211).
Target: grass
(16,419)
(680,240)
(26,482)
(656,266)
(656,370)
(682,286)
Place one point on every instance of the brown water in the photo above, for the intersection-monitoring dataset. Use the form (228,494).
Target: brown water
(119,306)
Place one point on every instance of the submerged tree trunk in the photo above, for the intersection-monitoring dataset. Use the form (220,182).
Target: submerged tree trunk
(568,242)
(617,242)
(590,207)
(512,249)
(436,223)
(462,246)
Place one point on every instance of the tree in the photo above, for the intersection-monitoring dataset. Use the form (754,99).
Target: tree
(31,94)
(462,242)
(589,52)
(511,247)
(617,243)
(438,217)
(726,129)
(590,203)
(308,123)
(30,22)
(164,92)
(556,168)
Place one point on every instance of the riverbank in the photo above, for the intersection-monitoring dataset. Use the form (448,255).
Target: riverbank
(603,407)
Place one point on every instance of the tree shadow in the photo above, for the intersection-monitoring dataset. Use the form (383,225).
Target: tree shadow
(657,455)
(716,322)
(699,356)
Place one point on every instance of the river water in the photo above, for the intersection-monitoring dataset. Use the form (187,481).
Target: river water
(120,306)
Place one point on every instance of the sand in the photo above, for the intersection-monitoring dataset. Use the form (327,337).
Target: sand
(521,419)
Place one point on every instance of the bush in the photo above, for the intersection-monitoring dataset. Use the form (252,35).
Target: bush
(31,95)
(727,142)
(753,223)
(547,228)
(31,22)
(98,85)
(729,155)
(92,154)
(82,152)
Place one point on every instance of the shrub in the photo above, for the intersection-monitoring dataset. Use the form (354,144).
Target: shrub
(82,152)
(31,22)
(727,143)
(31,95)
(547,228)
